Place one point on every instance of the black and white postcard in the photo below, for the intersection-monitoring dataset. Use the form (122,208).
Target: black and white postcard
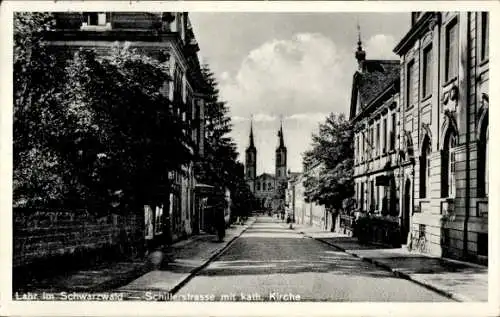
(249,158)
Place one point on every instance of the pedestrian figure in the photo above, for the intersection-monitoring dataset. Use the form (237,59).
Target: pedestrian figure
(220,222)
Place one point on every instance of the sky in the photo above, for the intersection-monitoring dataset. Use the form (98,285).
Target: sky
(297,67)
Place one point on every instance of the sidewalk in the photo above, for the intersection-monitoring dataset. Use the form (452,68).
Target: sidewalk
(187,261)
(188,257)
(461,281)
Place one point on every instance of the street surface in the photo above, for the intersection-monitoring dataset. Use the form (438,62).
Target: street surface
(272,262)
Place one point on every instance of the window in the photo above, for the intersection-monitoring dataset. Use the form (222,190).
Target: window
(377,140)
(363,141)
(384,136)
(410,96)
(97,18)
(372,196)
(485,34)
(279,173)
(372,138)
(427,76)
(393,132)
(269,187)
(263,186)
(258,186)
(425,167)
(448,183)
(362,197)
(451,54)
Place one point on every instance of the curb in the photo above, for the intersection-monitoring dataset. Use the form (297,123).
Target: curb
(399,273)
(183,281)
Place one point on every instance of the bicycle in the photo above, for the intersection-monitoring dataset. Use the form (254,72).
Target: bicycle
(418,244)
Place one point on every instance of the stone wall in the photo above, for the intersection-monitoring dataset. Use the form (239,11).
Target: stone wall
(41,234)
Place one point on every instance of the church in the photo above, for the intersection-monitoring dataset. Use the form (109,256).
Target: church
(269,189)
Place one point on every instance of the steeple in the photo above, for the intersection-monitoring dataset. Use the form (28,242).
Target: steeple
(251,134)
(251,161)
(360,53)
(280,135)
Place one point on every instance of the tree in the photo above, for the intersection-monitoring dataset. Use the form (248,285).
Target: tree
(220,167)
(329,163)
(39,171)
(91,126)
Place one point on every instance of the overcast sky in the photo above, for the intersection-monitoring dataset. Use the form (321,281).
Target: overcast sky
(295,65)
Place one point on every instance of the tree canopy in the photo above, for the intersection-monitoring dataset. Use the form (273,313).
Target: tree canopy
(220,167)
(329,163)
(90,126)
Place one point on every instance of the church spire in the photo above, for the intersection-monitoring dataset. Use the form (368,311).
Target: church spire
(251,133)
(280,134)
(360,53)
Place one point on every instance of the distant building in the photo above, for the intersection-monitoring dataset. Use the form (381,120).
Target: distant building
(169,38)
(307,213)
(443,132)
(269,190)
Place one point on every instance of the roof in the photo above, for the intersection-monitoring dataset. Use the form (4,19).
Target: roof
(377,75)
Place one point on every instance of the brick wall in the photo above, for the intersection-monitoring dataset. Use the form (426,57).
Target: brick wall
(41,234)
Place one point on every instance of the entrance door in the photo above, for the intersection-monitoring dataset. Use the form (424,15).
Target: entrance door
(405,224)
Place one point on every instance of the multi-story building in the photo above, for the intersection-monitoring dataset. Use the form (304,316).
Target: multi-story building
(268,189)
(373,112)
(443,132)
(304,211)
(169,38)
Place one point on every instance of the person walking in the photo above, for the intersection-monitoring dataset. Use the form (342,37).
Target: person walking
(220,221)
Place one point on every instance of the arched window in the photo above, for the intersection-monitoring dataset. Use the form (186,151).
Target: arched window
(425,167)
(264,186)
(448,184)
(278,159)
(258,186)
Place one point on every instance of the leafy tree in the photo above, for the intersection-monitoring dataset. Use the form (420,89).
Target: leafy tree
(90,127)
(123,128)
(38,170)
(219,166)
(329,164)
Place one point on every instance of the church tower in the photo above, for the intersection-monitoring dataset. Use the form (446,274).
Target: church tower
(281,173)
(251,162)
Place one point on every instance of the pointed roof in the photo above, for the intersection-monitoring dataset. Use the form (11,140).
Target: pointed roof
(280,135)
(376,78)
(251,142)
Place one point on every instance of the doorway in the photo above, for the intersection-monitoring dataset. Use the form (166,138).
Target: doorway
(405,223)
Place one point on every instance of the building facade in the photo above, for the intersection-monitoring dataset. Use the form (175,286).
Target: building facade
(268,189)
(374,115)
(443,132)
(302,211)
(169,38)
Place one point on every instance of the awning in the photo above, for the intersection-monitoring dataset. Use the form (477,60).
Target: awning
(204,188)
